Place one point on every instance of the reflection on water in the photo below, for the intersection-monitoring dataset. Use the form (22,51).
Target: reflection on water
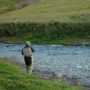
(70,60)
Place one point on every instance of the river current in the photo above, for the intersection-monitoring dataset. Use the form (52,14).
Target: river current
(69,60)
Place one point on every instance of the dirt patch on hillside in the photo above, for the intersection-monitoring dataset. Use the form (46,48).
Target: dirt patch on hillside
(25,3)
(19,5)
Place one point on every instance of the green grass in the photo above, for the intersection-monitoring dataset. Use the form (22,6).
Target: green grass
(7,5)
(51,11)
(66,12)
(51,33)
(11,78)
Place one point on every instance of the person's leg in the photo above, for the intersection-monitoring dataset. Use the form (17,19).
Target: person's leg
(29,65)
(32,63)
(28,69)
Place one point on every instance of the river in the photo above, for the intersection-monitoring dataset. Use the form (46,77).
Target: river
(69,60)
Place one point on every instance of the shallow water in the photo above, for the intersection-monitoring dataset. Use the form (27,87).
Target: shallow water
(69,60)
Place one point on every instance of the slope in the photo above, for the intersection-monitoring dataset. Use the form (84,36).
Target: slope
(13,79)
(51,11)
(7,5)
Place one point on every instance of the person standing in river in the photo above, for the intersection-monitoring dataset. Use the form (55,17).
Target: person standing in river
(27,53)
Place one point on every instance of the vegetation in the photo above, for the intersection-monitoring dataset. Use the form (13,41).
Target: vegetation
(51,10)
(11,78)
(7,5)
(59,33)
(47,21)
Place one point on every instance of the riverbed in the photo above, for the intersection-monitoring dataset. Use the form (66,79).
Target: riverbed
(68,60)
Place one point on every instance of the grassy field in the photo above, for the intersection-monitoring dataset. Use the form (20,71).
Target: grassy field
(7,5)
(70,13)
(51,11)
(11,78)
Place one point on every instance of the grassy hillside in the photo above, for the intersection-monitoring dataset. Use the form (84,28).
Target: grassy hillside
(51,10)
(13,79)
(7,5)
(47,21)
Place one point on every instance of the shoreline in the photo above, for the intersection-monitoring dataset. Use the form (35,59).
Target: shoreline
(46,75)
(70,44)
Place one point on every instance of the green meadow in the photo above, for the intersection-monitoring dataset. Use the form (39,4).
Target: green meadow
(46,21)
(7,5)
(51,11)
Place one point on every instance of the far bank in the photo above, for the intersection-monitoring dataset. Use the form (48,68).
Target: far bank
(46,33)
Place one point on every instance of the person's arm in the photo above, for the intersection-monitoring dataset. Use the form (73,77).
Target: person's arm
(32,49)
(22,52)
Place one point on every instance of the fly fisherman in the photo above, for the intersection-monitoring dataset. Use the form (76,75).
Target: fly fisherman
(27,53)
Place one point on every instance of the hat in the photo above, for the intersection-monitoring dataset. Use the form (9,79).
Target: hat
(28,43)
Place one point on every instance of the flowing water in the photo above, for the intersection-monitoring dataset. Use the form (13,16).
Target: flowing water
(69,60)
